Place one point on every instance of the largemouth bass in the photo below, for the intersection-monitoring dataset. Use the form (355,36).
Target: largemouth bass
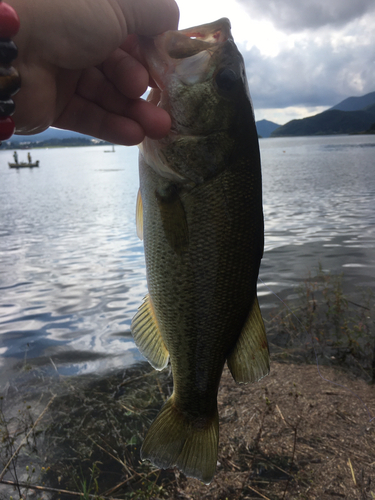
(199,212)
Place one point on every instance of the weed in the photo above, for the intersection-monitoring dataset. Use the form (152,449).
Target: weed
(88,487)
(324,317)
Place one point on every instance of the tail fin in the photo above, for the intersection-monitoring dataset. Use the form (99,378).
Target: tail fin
(175,440)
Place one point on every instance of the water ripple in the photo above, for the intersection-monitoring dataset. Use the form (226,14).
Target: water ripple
(72,271)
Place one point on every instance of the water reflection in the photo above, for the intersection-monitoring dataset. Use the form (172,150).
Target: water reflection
(72,269)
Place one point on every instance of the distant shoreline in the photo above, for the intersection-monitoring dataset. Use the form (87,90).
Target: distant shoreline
(77,142)
(53,143)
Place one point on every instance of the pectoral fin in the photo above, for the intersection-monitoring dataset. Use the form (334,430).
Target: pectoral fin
(146,334)
(249,360)
(173,218)
(139,215)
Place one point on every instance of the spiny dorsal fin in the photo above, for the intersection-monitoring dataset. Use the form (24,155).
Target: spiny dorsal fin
(146,334)
(249,361)
(139,215)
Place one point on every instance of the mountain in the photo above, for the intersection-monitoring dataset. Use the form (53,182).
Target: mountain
(355,103)
(47,135)
(265,127)
(332,121)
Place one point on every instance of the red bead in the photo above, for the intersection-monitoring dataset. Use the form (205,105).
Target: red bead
(6,128)
(9,21)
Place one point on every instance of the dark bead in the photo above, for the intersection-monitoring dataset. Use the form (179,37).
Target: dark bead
(10,82)
(8,51)
(6,108)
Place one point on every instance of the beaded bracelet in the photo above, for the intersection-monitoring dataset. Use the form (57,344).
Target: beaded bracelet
(10,81)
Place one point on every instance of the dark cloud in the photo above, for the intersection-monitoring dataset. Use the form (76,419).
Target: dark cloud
(294,16)
(311,73)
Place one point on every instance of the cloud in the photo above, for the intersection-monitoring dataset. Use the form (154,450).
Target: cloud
(316,69)
(294,16)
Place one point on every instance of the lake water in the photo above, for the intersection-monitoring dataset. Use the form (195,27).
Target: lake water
(72,269)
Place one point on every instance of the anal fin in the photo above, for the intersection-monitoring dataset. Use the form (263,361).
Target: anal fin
(249,361)
(146,334)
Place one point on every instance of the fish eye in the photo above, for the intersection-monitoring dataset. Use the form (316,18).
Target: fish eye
(226,79)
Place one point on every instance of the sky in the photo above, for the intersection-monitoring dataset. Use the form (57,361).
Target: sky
(301,56)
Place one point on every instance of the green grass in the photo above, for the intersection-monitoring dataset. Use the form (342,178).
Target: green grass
(338,327)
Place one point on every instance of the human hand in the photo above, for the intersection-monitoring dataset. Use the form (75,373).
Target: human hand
(81,67)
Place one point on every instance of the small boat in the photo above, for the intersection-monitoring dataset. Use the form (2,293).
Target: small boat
(110,150)
(24,164)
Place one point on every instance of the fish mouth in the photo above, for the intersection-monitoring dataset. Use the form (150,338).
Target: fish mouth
(184,53)
(189,42)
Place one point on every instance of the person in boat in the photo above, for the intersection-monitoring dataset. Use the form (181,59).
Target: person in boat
(29,157)
(15,156)
(88,78)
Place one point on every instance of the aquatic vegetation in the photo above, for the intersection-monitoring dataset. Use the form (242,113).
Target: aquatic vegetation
(17,431)
(339,327)
(88,442)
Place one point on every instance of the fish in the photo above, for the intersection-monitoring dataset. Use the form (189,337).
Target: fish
(199,214)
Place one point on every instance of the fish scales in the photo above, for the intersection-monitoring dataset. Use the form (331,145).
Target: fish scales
(199,300)
(202,225)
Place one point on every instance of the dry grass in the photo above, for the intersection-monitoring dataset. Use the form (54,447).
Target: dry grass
(292,435)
